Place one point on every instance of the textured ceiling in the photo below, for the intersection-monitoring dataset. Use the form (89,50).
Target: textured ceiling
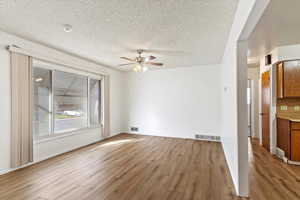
(179,33)
(279,26)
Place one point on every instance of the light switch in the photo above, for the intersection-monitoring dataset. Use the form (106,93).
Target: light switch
(283,107)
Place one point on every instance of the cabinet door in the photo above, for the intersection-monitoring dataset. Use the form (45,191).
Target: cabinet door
(284,136)
(280,72)
(291,79)
(295,145)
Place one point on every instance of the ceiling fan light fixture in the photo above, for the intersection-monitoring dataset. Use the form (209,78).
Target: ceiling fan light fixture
(135,69)
(147,59)
(139,61)
(145,69)
(139,67)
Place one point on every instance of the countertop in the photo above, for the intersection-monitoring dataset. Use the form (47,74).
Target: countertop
(288,116)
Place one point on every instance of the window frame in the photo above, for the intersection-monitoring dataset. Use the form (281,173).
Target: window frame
(54,68)
(100,109)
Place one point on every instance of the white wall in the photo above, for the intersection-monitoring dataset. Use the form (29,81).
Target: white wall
(234,121)
(280,53)
(229,95)
(179,102)
(289,52)
(253,74)
(59,145)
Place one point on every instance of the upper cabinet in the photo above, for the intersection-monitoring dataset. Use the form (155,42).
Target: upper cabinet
(280,80)
(288,79)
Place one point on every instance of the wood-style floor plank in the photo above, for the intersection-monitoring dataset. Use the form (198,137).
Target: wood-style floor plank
(134,167)
(270,178)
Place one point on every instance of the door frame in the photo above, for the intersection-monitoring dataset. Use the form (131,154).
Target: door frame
(236,57)
(273,100)
(261,110)
(251,115)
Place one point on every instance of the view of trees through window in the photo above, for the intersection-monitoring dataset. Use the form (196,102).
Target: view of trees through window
(64,102)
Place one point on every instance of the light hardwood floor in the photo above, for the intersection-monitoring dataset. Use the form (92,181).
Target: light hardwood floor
(132,167)
(270,178)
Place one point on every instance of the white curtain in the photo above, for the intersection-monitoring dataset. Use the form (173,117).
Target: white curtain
(21,110)
(106,107)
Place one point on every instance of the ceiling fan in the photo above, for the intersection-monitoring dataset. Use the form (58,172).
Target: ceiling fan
(140,63)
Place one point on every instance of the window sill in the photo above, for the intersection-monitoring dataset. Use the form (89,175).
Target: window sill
(64,134)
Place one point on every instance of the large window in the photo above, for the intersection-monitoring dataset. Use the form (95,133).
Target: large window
(94,102)
(70,98)
(64,102)
(42,101)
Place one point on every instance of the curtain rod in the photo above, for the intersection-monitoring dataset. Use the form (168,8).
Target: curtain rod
(18,49)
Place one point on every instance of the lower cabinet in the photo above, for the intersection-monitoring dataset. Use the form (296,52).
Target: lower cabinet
(295,145)
(288,138)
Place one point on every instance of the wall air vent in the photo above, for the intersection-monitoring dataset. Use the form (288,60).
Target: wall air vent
(134,129)
(208,138)
(268,59)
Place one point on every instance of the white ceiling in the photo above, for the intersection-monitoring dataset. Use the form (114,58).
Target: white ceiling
(279,26)
(186,32)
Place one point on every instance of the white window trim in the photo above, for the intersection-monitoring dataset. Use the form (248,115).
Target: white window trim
(65,61)
(55,67)
(39,140)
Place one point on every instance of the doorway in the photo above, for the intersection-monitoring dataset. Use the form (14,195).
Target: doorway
(265,114)
(249,107)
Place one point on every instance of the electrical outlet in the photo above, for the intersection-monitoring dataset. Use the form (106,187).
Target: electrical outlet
(296,108)
(283,108)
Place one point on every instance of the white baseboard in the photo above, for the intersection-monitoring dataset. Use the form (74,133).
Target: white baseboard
(293,162)
(157,135)
(280,153)
(170,136)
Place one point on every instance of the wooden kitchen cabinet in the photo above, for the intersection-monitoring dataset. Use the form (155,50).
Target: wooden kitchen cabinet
(288,79)
(284,136)
(280,80)
(288,138)
(295,145)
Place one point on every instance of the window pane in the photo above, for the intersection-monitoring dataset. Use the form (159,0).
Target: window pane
(70,101)
(42,103)
(94,102)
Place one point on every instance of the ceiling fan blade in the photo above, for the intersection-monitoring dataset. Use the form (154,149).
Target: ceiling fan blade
(126,64)
(129,59)
(150,58)
(153,63)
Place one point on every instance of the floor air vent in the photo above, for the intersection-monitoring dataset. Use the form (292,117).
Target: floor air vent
(134,129)
(208,138)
